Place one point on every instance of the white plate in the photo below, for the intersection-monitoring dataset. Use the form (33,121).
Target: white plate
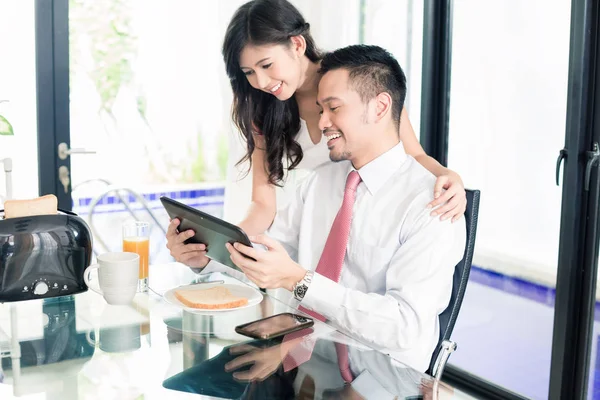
(254,297)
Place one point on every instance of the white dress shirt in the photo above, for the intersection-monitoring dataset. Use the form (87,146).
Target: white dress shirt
(397,273)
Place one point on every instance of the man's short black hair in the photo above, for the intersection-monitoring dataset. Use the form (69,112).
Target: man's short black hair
(372,70)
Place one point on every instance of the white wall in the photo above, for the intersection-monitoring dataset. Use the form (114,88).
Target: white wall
(18,84)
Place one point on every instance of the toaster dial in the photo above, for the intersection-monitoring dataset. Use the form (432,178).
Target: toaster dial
(40,288)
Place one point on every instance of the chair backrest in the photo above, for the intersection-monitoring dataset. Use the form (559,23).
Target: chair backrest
(461,274)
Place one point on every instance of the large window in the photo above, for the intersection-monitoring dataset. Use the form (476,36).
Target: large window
(507,123)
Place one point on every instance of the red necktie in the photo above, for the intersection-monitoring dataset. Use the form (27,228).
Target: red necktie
(332,258)
(330,266)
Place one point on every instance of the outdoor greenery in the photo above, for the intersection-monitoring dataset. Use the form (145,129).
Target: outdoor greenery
(223,154)
(112,44)
(6,128)
(103,44)
(197,170)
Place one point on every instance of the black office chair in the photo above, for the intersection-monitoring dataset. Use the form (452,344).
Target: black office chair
(445,346)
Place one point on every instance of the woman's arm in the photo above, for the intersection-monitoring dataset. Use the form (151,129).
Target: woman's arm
(447,179)
(263,207)
(414,148)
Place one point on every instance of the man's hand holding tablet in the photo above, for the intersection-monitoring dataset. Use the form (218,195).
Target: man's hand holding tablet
(190,254)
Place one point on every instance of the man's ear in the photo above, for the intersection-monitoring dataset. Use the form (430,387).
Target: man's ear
(383,106)
(298,45)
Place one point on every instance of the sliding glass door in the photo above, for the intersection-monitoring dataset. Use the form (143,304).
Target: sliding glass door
(507,120)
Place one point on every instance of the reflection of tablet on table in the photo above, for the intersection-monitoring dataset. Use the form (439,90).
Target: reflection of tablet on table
(210,230)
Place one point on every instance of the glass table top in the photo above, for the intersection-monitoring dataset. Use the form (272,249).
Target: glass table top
(79,347)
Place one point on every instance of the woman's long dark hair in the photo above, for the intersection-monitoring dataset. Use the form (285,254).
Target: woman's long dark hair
(266,22)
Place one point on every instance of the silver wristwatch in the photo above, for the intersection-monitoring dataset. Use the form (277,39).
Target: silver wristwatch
(301,287)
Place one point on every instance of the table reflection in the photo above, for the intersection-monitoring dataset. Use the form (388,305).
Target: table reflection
(59,342)
(253,369)
(116,367)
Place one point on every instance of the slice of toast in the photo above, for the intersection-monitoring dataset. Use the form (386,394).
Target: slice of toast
(210,299)
(45,205)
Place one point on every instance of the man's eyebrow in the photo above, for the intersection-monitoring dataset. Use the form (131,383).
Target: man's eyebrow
(327,100)
(258,62)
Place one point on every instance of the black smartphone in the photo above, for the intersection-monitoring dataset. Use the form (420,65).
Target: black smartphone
(274,326)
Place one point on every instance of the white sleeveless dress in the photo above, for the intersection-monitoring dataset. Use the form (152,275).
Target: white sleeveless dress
(238,188)
(313,156)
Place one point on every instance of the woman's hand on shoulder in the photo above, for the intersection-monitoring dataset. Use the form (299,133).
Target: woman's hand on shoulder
(449,189)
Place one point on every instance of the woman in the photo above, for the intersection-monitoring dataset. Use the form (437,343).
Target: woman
(272,62)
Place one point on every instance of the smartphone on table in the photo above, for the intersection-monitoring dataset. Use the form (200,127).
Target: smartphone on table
(275,326)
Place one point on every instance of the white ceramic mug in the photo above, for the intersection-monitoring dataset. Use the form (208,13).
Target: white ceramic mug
(118,275)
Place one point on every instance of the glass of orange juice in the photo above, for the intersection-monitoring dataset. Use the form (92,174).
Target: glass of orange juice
(136,239)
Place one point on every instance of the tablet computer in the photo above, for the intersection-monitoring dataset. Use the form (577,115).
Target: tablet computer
(209,230)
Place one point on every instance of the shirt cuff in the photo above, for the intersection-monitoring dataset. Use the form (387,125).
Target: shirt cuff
(206,269)
(324,296)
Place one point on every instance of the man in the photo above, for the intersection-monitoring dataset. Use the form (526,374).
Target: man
(358,246)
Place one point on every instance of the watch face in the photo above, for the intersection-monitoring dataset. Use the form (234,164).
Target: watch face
(301,291)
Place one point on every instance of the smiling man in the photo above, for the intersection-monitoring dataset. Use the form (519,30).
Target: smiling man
(357,246)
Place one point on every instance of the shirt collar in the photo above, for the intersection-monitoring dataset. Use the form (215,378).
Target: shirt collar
(376,173)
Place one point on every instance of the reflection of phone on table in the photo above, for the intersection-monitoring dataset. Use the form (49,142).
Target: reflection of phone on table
(274,326)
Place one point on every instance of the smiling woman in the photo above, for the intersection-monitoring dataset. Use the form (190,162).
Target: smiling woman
(266,64)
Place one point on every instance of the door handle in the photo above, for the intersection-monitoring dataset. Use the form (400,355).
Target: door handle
(64,151)
(562,155)
(64,176)
(593,159)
